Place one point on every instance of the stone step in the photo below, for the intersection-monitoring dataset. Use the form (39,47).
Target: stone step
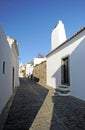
(63,94)
(63,91)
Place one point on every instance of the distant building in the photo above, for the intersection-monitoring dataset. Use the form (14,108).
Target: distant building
(8,68)
(29,70)
(22,71)
(40,72)
(66,62)
(39,60)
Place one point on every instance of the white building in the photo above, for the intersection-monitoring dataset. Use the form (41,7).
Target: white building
(29,69)
(8,69)
(15,64)
(39,60)
(22,70)
(66,62)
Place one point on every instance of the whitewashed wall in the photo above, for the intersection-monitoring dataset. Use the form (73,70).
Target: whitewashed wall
(77,67)
(29,69)
(5,79)
(15,63)
(75,48)
(39,60)
(8,56)
(16,70)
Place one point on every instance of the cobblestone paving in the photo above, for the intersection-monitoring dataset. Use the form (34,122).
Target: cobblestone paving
(38,108)
(70,112)
(25,106)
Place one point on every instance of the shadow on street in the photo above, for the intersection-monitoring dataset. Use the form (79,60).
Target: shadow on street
(68,113)
(26,104)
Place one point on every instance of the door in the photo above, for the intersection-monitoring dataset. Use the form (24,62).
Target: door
(65,71)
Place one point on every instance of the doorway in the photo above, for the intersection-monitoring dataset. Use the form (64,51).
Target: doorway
(65,71)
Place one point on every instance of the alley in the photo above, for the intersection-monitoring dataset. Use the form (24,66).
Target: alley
(26,104)
(38,108)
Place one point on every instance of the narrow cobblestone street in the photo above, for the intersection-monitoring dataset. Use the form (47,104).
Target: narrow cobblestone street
(38,108)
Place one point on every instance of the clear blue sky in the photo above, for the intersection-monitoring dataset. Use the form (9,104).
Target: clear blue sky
(31,22)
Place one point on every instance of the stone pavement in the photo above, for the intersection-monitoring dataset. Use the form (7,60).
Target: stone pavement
(38,108)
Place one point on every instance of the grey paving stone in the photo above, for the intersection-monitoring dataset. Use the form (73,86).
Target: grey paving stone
(25,106)
(37,107)
(70,111)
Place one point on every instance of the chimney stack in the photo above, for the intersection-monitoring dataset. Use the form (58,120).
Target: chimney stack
(58,35)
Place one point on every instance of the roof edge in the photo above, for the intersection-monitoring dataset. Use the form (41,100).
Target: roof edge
(74,35)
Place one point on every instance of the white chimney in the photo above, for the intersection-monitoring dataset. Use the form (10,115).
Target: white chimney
(58,35)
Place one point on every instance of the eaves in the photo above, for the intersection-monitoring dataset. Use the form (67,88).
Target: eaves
(81,30)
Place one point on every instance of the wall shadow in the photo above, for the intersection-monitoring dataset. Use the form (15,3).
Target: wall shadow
(68,112)
(27,101)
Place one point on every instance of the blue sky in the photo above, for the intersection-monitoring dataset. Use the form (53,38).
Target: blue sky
(31,22)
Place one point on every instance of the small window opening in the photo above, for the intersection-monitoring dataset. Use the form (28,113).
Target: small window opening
(3,67)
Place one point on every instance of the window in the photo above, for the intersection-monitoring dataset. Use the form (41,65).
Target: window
(3,67)
(65,71)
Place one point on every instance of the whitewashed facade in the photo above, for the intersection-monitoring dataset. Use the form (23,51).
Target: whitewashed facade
(15,64)
(73,50)
(29,69)
(38,60)
(22,70)
(8,78)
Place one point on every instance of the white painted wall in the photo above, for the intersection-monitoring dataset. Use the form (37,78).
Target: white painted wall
(29,69)
(58,35)
(77,67)
(39,60)
(8,56)
(75,48)
(5,79)
(15,64)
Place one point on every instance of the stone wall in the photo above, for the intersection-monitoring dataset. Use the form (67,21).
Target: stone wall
(40,72)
